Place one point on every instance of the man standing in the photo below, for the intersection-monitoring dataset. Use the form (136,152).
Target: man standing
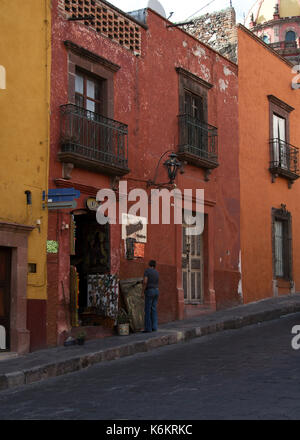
(150,289)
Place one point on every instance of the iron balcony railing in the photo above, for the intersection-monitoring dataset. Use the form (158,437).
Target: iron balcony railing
(94,139)
(198,140)
(284,159)
(284,45)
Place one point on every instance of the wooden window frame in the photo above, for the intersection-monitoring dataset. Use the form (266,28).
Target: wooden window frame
(99,103)
(93,65)
(281,109)
(188,82)
(200,108)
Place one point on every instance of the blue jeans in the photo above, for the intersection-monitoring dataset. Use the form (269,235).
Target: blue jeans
(151,298)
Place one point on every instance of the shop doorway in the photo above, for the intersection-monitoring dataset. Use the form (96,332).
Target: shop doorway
(5,295)
(192,267)
(91,256)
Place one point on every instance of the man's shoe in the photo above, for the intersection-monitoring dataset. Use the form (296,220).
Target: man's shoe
(146,331)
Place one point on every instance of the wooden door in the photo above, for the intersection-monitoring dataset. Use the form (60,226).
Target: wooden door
(5,268)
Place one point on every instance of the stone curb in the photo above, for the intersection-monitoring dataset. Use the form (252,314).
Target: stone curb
(41,372)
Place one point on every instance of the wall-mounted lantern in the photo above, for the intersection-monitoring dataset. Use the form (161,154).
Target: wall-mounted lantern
(172,165)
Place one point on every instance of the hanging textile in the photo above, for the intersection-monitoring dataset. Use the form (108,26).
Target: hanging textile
(103,294)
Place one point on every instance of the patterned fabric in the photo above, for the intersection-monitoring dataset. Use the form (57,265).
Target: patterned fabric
(103,293)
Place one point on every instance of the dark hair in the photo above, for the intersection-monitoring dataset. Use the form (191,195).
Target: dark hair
(152,263)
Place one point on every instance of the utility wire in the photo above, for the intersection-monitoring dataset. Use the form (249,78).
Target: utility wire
(200,10)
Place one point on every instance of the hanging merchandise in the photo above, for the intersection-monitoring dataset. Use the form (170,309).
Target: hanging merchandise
(72,235)
(139,250)
(103,294)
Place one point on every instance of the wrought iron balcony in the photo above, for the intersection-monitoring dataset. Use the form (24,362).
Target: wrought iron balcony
(89,140)
(284,45)
(198,142)
(284,160)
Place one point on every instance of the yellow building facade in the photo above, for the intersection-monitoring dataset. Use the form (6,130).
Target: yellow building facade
(263,10)
(25,57)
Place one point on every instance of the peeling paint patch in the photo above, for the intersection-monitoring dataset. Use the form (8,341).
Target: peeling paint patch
(199,52)
(184,44)
(223,85)
(205,72)
(227,71)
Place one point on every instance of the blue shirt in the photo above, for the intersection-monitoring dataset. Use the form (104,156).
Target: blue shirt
(153,278)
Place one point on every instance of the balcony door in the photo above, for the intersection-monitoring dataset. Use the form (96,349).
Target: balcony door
(94,128)
(197,135)
(193,106)
(5,263)
(192,267)
(279,134)
(88,92)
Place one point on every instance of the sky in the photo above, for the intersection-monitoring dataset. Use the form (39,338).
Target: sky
(183,9)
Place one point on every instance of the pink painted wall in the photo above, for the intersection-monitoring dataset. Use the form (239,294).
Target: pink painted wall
(284,27)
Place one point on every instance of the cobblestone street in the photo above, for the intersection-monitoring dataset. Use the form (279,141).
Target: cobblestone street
(251,373)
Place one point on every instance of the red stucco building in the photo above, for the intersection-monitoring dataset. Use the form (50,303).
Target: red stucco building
(124,90)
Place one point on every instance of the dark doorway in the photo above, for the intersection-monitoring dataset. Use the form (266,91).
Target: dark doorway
(92,253)
(5,273)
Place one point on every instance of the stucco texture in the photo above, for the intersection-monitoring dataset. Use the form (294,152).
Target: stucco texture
(263,73)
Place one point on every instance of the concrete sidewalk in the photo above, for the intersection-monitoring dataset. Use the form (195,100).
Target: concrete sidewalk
(43,364)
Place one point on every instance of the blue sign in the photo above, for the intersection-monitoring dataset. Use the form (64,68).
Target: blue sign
(62,195)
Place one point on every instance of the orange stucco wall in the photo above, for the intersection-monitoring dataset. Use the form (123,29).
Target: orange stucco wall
(262,73)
